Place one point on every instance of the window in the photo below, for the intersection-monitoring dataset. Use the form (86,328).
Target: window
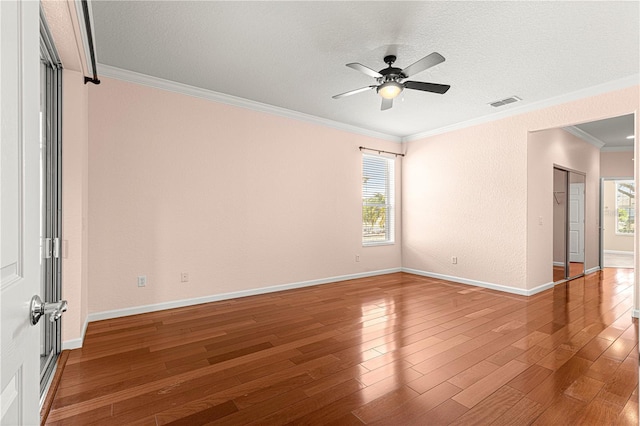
(625,207)
(377,200)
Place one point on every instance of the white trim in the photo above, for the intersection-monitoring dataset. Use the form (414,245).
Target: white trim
(135,310)
(592,270)
(635,313)
(519,108)
(159,83)
(97,316)
(84,40)
(558,264)
(619,251)
(581,134)
(76,343)
(498,287)
(210,95)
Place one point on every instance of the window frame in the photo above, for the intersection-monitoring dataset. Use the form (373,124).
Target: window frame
(617,192)
(389,205)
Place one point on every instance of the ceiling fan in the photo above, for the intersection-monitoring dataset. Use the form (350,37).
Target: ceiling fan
(391,80)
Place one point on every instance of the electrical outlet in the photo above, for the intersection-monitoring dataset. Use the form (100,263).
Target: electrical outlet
(184,277)
(454,260)
(142,280)
(357,258)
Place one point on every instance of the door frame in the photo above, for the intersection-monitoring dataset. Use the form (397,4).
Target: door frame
(52,194)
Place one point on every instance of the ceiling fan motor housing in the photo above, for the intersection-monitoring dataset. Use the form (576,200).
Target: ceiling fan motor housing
(390,73)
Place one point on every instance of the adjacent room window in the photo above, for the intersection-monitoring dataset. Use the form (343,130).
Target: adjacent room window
(378,200)
(625,206)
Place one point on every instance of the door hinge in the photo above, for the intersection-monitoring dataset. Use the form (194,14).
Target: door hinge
(51,248)
(56,248)
(48,248)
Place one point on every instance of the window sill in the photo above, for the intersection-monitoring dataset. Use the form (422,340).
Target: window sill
(381,243)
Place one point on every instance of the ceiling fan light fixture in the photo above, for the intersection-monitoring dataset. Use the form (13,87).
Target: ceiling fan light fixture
(390,89)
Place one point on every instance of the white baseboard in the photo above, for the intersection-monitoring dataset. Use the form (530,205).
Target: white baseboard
(116,313)
(76,343)
(492,286)
(635,313)
(97,316)
(617,252)
(558,263)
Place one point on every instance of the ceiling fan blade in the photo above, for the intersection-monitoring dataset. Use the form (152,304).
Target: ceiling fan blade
(368,71)
(353,92)
(427,87)
(427,62)
(386,104)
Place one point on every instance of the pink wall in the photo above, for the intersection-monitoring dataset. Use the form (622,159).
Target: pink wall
(75,206)
(616,164)
(241,200)
(465,195)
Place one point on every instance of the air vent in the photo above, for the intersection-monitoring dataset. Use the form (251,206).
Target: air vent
(506,101)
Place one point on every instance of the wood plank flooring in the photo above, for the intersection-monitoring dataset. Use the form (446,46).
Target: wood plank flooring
(395,349)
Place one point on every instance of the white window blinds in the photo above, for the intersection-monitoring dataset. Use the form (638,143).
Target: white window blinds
(625,207)
(378,199)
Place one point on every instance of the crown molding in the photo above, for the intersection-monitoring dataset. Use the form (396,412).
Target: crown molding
(622,83)
(587,137)
(159,83)
(185,89)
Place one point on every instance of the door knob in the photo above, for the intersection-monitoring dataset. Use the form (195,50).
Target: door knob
(40,308)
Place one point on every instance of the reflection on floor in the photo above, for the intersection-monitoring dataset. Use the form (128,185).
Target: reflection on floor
(618,260)
(393,349)
(575,269)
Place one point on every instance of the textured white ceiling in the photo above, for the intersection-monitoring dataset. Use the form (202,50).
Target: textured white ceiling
(293,54)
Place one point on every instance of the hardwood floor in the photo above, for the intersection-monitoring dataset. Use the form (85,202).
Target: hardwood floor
(394,349)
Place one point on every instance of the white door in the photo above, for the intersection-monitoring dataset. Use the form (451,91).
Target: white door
(576,222)
(19,210)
